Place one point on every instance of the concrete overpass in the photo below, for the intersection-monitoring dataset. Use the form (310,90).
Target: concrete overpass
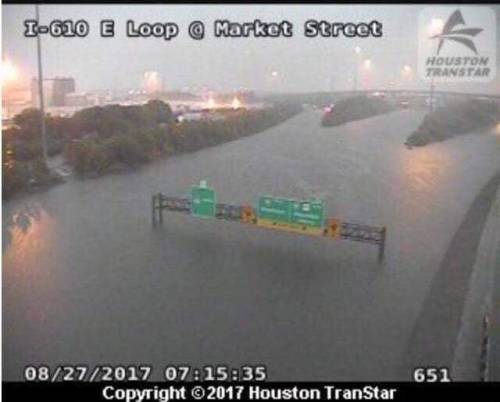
(327,97)
(422,93)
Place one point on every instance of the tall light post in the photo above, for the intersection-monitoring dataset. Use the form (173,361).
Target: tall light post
(40,90)
(367,66)
(406,74)
(273,79)
(357,50)
(435,28)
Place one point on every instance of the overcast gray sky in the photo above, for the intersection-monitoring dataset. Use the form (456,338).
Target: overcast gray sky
(304,64)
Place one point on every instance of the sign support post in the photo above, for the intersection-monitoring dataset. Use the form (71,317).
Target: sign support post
(304,217)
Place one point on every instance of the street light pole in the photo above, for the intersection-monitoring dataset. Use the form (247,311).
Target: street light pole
(367,64)
(40,90)
(431,96)
(433,87)
(357,50)
(436,28)
(356,78)
(431,92)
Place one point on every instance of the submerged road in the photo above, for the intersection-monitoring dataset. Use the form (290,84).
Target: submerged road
(87,280)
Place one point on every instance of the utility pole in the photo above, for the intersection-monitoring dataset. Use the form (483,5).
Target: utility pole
(431,96)
(435,28)
(356,72)
(357,50)
(431,93)
(40,90)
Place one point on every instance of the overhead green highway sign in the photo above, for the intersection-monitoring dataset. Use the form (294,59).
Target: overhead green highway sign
(309,213)
(284,210)
(274,209)
(306,217)
(203,201)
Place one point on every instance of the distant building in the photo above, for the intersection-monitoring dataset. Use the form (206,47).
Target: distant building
(78,99)
(55,91)
(199,115)
(60,88)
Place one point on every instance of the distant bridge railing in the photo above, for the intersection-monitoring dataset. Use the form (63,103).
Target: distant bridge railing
(421,92)
(395,92)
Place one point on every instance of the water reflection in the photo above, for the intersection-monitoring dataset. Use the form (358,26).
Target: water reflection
(424,168)
(19,220)
(496,132)
(84,272)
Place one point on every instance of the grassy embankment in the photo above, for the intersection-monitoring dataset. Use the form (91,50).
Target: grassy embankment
(356,108)
(457,118)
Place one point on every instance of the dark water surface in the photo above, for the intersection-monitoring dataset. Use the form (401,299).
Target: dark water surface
(87,280)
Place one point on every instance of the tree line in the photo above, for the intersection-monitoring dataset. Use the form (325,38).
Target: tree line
(355,108)
(456,118)
(98,140)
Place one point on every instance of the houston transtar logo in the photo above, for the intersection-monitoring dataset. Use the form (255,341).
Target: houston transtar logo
(457,45)
(462,35)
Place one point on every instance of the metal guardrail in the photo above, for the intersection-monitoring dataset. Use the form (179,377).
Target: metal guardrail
(403,91)
(424,92)
(333,228)
(485,346)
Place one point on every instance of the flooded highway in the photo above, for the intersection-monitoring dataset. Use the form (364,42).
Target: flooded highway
(87,280)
